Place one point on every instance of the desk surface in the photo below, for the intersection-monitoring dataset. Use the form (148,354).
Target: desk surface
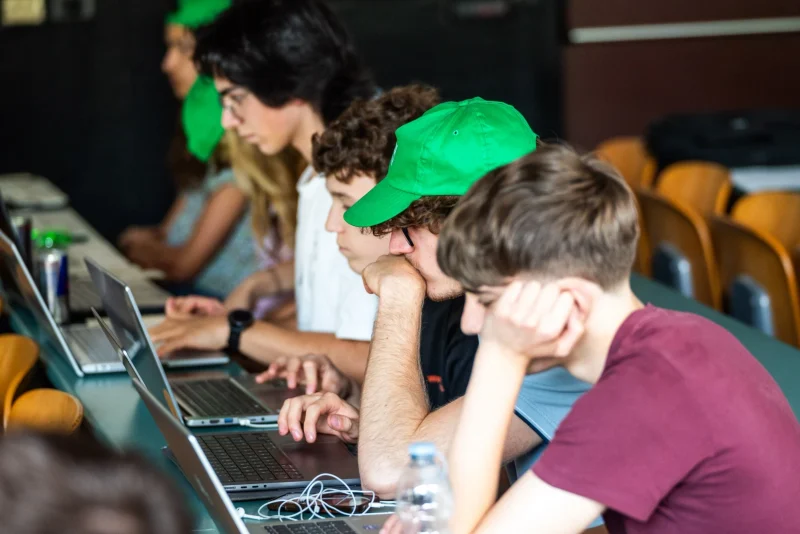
(119,418)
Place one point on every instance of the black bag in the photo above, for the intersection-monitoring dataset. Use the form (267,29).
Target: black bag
(733,139)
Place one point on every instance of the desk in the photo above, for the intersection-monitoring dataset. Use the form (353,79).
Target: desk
(119,418)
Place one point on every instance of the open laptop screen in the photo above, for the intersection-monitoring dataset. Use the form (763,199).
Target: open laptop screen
(126,321)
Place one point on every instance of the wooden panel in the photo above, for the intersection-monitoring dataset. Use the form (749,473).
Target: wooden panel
(588,13)
(619,88)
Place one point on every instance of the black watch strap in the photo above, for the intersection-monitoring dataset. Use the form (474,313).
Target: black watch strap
(238,321)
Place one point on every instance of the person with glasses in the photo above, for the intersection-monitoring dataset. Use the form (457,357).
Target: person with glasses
(284,71)
(204,243)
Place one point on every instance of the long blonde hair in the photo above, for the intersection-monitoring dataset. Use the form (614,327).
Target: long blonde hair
(271,184)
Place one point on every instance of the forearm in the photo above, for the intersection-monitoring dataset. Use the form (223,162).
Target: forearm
(274,280)
(266,342)
(478,444)
(394,400)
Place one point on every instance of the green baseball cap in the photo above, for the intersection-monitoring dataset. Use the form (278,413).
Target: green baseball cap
(195,13)
(444,152)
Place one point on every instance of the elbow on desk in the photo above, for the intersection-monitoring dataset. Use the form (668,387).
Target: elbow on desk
(383,481)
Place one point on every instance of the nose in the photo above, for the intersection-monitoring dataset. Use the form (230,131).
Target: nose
(335,221)
(473,316)
(229,119)
(398,244)
(167,61)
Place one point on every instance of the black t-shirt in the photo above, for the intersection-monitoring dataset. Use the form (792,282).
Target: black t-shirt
(446,353)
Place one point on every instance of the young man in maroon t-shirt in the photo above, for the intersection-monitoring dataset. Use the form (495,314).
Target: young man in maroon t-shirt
(683,430)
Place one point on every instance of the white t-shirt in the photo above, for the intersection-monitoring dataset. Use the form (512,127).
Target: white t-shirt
(330,296)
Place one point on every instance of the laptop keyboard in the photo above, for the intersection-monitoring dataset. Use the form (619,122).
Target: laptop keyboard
(323,527)
(217,397)
(93,345)
(247,458)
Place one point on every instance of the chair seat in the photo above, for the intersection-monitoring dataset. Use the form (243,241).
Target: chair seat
(47,410)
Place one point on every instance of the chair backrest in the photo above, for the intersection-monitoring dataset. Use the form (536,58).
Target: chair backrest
(676,233)
(47,410)
(629,155)
(746,252)
(703,186)
(18,355)
(776,213)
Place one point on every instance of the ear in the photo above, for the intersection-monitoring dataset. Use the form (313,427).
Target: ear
(584,292)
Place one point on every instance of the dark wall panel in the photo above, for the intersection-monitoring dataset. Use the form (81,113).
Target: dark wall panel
(86,105)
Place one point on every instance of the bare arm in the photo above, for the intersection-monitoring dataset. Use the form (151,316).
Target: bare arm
(394,402)
(277,279)
(180,263)
(265,342)
(172,213)
(262,342)
(394,405)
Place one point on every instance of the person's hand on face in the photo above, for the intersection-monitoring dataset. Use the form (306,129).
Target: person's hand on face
(200,333)
(392,272)
(535,320)
(316,371)
(324,413)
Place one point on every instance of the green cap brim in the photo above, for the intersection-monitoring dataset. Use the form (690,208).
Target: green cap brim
(380,204)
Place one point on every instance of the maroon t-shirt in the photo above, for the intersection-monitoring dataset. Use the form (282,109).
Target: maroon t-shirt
(684,433)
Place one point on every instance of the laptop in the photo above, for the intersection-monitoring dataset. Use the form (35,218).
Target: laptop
(202,399)
(191,456)
(85,347)
(259,460)
(120,306)
(82,295)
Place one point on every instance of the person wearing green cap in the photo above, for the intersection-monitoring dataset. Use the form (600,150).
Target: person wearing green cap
(437,159)
(205,241)
(284,70)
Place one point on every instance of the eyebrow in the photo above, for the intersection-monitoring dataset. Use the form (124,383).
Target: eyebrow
(226,92)
(342,196)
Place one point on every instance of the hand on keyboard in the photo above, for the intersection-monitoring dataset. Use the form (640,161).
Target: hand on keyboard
(316,371)
(305,416)
(201,333)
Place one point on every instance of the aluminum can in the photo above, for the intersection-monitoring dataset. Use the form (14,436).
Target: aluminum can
(52,266)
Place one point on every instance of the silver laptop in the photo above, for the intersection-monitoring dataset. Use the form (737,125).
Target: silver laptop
(85,347)
(246,461)
(203,399)
(190,455)
(124,312)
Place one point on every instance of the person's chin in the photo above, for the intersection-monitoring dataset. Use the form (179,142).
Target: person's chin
(356,265)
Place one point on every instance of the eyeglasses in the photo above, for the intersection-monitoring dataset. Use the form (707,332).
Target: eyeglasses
(232,101)
(408,237)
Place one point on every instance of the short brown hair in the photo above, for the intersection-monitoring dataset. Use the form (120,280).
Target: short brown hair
(362,139)
(551,213)
(75,485)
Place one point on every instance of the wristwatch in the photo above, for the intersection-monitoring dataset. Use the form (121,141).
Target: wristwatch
(239,321)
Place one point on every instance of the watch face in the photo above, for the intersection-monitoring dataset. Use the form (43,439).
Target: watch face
(241,317)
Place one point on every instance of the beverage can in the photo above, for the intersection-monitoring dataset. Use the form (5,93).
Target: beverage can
(52,266)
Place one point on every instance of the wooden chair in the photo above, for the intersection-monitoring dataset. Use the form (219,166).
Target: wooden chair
(703,186)
(18,355)
(629,155)
(680,247)
(758,262)
(48,410)
(776,213)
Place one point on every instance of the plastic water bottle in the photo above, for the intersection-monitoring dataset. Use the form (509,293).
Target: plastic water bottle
(424,496)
